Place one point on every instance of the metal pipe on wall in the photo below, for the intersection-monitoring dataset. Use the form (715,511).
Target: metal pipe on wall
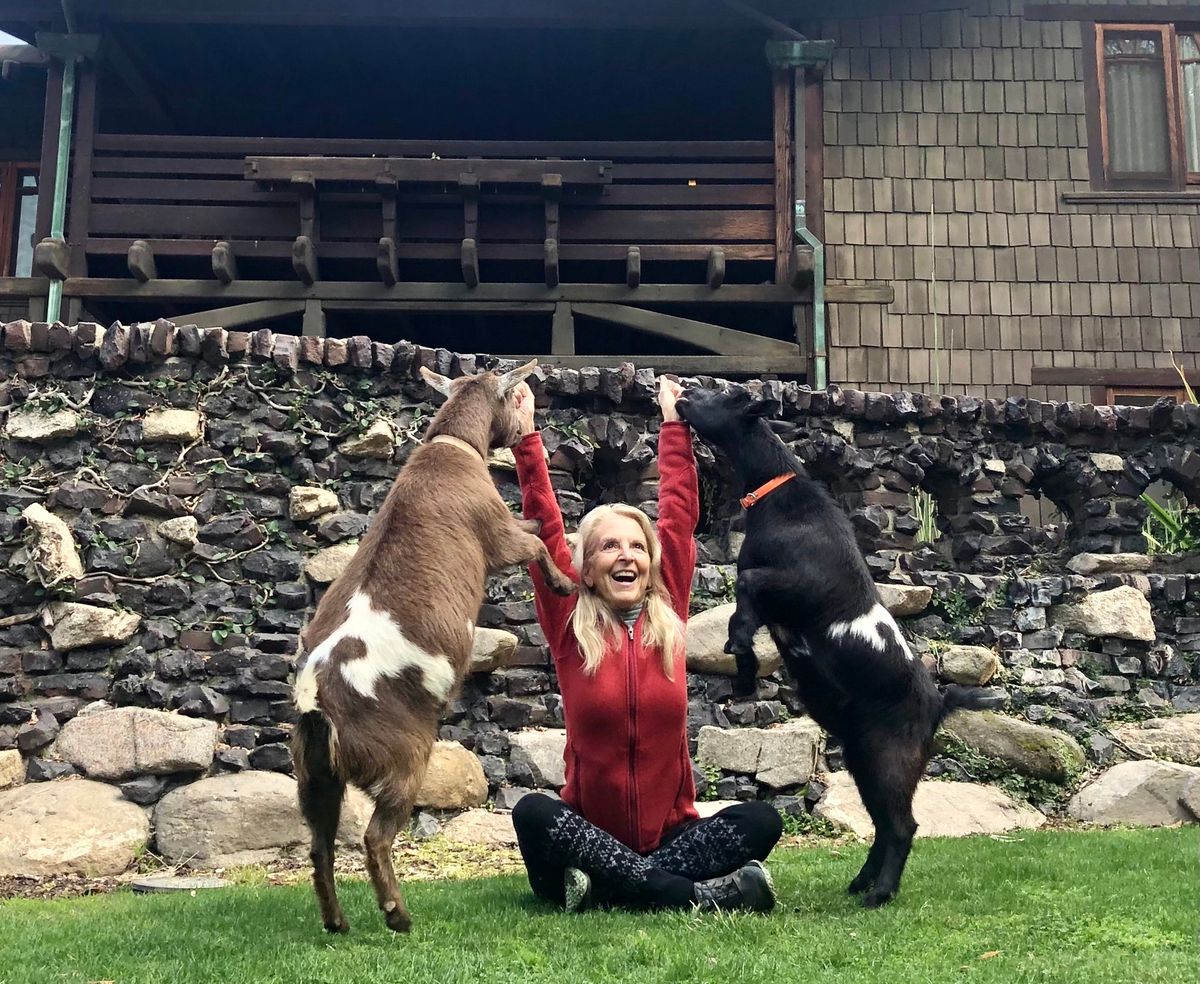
(58,214)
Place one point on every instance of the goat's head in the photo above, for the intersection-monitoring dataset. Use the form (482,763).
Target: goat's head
(490,392)
(722,417)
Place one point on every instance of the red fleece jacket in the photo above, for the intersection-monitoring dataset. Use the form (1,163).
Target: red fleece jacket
(628,768)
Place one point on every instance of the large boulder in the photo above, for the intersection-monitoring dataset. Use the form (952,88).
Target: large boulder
(777,757)
(455,779)
(1029,749)
(53,556)
(481,827)
(73,626)
(40,426)
(941,809)
(1145,794)
(490,649)
(326,566)
(121,742)
(541,753)
(1176,739)
(1123,612)
(243,818)
(707,633)
(77,827)
(972,666)
(904,599)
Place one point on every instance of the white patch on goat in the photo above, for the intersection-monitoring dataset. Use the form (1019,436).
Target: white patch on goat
(866,627)
(389,653)
(305,691)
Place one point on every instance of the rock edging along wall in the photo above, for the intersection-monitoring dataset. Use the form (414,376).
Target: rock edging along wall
(173,500)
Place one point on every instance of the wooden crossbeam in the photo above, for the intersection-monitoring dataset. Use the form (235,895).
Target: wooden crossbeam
(141,261)
(436,170)
(714,338)
(725,366)
(238,315)
(366,291)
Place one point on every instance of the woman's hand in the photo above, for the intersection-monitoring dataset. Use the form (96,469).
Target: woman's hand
(668,392)
(522,397)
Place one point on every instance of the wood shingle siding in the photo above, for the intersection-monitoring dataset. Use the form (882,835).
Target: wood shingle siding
(957,170)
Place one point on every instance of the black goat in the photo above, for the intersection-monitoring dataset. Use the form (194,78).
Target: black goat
(801,574)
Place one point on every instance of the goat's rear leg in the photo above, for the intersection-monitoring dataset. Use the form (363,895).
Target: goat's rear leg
(393,807)
(886,773)
(321,804)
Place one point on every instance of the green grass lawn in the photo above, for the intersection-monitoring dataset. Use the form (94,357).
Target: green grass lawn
(1078,907)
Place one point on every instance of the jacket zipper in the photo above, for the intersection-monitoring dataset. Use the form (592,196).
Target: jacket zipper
(631,669)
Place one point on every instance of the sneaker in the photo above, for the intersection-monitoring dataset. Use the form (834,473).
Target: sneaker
(748,889)
(577,890)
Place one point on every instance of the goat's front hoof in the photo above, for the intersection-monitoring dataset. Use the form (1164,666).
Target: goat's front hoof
(398,920)
(338,925)
(566,587)
(876,898)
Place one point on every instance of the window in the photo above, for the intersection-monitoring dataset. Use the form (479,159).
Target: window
(18,212)
(1148,82)
(1142,396)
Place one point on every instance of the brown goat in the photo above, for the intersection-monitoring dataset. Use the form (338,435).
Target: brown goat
(391,639)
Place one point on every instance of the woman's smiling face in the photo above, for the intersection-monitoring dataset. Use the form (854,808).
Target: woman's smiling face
(617,567)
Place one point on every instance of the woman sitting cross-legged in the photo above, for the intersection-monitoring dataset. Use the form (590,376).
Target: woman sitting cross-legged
(626,831)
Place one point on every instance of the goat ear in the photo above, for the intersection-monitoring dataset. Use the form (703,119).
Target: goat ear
(506,381)
(436,380)
(760,408)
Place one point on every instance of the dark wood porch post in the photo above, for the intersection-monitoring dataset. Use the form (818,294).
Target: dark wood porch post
(54,86)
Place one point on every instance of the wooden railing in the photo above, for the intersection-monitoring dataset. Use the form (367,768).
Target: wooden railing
(697,202)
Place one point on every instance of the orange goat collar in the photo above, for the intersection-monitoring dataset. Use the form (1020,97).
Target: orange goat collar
(763,490)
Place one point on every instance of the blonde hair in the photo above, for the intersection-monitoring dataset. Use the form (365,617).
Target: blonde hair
(594,622)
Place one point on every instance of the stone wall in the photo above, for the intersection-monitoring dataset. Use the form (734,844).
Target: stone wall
(173,501)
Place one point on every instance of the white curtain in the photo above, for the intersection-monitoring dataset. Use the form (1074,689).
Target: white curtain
(1136,97)
(1189,95)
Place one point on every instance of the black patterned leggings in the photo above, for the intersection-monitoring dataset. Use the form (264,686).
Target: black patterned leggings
(553,837)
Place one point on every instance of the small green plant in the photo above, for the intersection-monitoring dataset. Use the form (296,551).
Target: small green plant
(925,511)
(808,825)
(1172,527)
(712,776)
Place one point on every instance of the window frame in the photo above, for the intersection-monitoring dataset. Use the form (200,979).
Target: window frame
(1113,392)
(11,193)
(1178,178)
